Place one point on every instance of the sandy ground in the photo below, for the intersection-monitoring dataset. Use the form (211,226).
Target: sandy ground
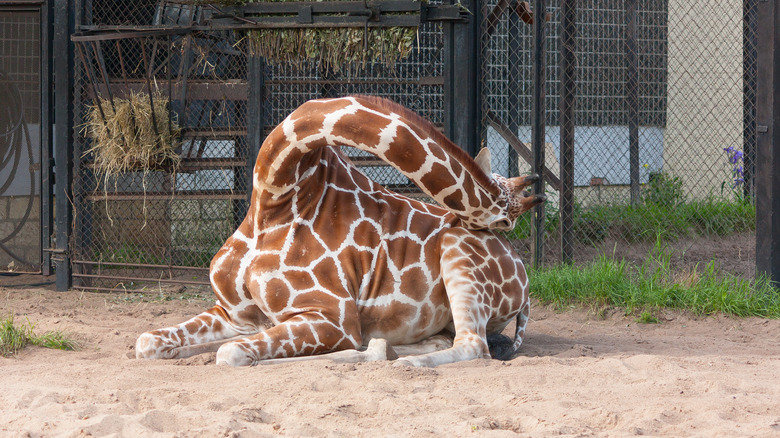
(578,375)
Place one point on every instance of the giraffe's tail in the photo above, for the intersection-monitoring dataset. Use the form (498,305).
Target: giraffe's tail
(501,346)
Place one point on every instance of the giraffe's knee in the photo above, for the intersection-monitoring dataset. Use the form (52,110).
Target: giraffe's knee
(235,355)
(153,346)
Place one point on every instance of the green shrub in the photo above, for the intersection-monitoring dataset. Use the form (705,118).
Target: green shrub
(664,190)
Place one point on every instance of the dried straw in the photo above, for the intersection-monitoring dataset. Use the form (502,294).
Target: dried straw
(127,139)
(335,48)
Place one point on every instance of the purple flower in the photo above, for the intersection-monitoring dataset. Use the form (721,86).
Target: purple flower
(736,157)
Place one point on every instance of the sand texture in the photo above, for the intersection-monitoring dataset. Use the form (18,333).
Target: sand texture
(578,375)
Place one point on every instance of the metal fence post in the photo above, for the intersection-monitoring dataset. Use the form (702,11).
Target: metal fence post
(749,94)
(539,65)
(514,88)
(47,169)
(632,99)
(63,135)
(567,74)
(256,117)
(462,80)
(768,142)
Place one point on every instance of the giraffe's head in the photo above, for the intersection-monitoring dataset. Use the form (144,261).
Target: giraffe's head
(513,199)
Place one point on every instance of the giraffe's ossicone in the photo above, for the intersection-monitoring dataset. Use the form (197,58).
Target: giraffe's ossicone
(327,260)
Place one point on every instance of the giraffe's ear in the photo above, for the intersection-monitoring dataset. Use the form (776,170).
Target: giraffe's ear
(483,161)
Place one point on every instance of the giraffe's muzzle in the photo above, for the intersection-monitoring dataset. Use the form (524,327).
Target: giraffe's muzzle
(502,224)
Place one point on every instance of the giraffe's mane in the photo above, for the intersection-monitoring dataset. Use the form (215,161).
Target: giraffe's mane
(429,129)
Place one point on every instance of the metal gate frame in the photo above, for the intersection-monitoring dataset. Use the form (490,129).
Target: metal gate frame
(44,9)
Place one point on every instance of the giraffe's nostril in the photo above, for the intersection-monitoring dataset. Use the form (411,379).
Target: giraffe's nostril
(503,224)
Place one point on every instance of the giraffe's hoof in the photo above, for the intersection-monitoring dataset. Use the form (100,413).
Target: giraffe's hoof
(232,354)
(144,347)
(380,349)
(150,346)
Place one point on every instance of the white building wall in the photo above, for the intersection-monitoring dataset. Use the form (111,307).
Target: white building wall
(704,108)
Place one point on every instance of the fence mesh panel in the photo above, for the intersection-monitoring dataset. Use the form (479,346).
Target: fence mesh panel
(672,80)
(678,87)
(166,226)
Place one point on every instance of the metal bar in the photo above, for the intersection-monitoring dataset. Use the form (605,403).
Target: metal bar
(318,22)
(170,86)
(331,7)
(204,90)
(768,142)
(104,74)
(121,61)
(15,4)
(184,73)
(163,196)
(538,67)
(63,150)
(215,133)
(521,148)
(147,77)
(462,82)
(632,99)
(138,265)
(199,163)
(93,83)
(96,47)
(47,162)
(514,88)
(139,279)
(494,17)
(113,289)
(568,71)
(121,32)
(256,122)
(749,95)
(424,81)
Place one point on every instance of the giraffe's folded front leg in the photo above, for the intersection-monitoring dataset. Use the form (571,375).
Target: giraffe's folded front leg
(306,334)
(201,334)
(483,283)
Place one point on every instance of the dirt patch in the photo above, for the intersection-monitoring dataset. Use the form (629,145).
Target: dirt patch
(577,376)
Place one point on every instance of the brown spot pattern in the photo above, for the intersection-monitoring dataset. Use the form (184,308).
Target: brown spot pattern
(382,292)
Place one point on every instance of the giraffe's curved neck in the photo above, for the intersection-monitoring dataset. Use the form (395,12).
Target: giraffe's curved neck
(391,132)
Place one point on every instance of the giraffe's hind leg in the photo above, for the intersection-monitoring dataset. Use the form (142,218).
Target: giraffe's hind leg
(201,334)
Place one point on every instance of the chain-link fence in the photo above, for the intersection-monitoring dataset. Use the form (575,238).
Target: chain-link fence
(650,107)
(162,224)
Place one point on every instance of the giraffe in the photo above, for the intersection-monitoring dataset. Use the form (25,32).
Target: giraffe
(335,262)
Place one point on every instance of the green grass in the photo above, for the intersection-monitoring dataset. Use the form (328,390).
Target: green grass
(14,337)
(654,285)
(140,296)
(648,221)
(647,317)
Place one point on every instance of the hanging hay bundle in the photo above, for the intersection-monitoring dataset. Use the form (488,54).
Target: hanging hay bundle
(333,48)
(130,138)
